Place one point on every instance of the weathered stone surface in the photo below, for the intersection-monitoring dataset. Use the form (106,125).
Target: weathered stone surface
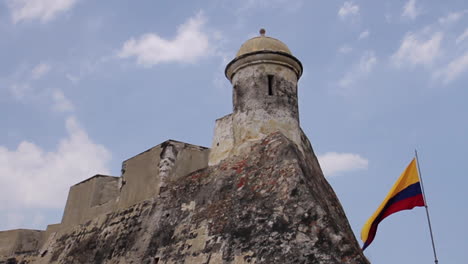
(143,174)
(19,241)
(264,98)
(272,205)
(90,198)
(258,196)
(223,140)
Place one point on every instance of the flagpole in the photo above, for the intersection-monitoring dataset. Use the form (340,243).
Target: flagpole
(427,209)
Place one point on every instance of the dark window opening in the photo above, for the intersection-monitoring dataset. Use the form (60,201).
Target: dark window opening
(236,90)
(270,84)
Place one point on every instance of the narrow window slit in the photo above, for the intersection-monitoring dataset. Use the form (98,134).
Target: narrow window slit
(270,84)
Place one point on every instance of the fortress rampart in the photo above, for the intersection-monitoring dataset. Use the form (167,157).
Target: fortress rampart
(142,178)
(257,196)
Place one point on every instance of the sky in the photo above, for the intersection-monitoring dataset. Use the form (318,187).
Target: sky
(87,84)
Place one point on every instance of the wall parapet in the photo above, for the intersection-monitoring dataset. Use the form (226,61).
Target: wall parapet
(142,177)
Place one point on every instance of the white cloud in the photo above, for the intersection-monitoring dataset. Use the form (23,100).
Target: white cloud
(61,103)
(462,37)
(410,10)
(345,49)
(367,62)
(40,70)
(25,93)
(333,163)
(454,69)
(43,10)
(72,78)
(20,91)
(348,9)
(86,67)
(190,44)
(418,49)
(364,34)
(452,17)
(33,177)
(360,70)
(435,48)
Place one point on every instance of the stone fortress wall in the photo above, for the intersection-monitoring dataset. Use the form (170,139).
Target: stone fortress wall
(142,178)
(89,198)
(264,77)
(20,241)
(205,216)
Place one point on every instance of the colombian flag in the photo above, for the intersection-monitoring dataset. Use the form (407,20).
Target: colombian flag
(405,194)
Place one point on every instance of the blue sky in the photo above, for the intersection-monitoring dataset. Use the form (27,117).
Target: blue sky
(86,84)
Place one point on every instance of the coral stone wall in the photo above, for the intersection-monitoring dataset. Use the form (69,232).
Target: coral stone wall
(144,174)
(271,206)
(90,198)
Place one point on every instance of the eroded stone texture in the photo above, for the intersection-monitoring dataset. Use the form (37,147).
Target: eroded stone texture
(145,173)
(19,241)
(90,198)
(258,196)
(272,205)
(223,140)
(264,101)
(264,76)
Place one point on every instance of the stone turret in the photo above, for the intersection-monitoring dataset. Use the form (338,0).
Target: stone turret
(264,76)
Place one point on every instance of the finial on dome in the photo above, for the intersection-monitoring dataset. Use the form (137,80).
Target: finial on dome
(262,32)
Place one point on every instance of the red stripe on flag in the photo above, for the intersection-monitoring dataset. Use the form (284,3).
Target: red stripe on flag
(406,204)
